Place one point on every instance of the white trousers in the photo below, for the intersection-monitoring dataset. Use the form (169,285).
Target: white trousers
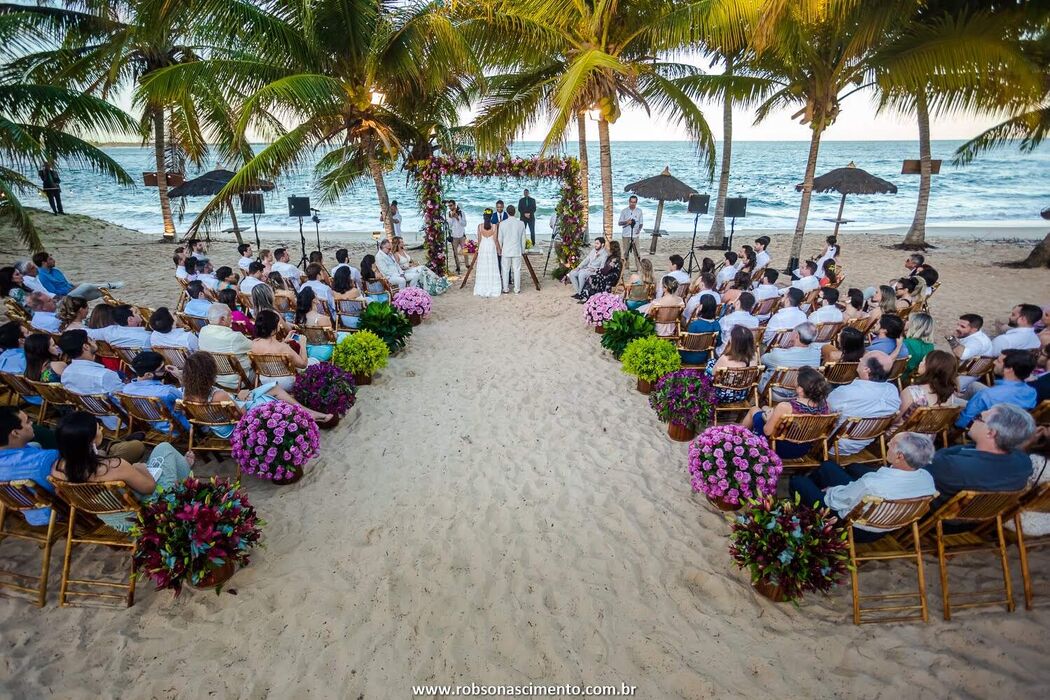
(508,262)
(578,277)
(398,282)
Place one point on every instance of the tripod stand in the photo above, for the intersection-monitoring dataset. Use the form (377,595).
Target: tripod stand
(692,246)
(554,237)
(303,261)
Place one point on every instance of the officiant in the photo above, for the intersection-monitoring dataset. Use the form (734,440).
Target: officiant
(527,210)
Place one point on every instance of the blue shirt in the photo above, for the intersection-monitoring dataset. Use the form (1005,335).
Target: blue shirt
(197,307)
(888,345)
(165,392)
(34,464)
(13,361)
(54,281)
(1019,394)
(701,325)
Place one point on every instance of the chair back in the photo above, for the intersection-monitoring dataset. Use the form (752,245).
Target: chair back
(737,378)
(104,349)
(24,494)
(756,276)
(209,413)
(780,338)
(321,306)
(828,332)
(810,299)
(839,279)
(640,292)
(931,420)
(697,342)
(98,405)
(244,301)
(861,324)
(15,311)
(379,287)
(897,371)
(1037,500)
(283,304)
(805,427)
(854,428)
(783,378)
(977,367)
(766,307)
(108,297)
(194,324)
(758,332)
(271,365)
(667,315)
(976,506)
(885,514)
(1041,413)
(182,283)
(318,335)
(726,308)
(146,313)
(96,497)
(126,355)
(840,372)
(18,384)
(54,393)
(173,356)
(149,409)
(230,364)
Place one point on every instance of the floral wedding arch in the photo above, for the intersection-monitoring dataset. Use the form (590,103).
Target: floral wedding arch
(430,172)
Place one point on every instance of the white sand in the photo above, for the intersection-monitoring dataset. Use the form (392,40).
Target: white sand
(503,507)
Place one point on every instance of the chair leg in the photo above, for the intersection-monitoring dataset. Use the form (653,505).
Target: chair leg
(854,582)
(45,567)
(66,558)
(942,561)
(922,573)
(1023,554)
(131,579)
(1005,563)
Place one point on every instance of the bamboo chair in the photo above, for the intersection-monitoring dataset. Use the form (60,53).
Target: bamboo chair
(96,498)
(976,508)
(981,368)
(758,332)
(839,373)
(737,379)
(780,338)
(54,396)
(839,279)
(283,305)
(16,497)
(766,307)
(150,410)
(271,366)
(173,356)
(193,324)
(146,313)
(897,371)
(756,276)
(929,293)
(318,335)
(805,428)
(640,292)
(126,355)
(321,307)
(230,365)
(873,429)
(20,388)
(861,324)
(809,300)
(386,289)
(15,311)
(101,406)
(106,351)
(887,515)
(726,308)
(931,420)
(180,306)
(244,301)
(349,307)
(1041,413)
(697,342)
(205,415)
(108,298)
(782,378)
(1035,501)
(828,332)
(182,283)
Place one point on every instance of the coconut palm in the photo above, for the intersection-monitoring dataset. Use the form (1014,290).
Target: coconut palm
(589,55)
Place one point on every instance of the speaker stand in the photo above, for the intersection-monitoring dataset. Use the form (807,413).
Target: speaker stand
(732,230)
(255,224)
(303,261)
(692,247)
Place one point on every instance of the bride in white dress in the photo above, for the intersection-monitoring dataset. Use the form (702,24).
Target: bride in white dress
(487,281)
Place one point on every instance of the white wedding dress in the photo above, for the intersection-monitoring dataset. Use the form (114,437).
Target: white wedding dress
(487,282)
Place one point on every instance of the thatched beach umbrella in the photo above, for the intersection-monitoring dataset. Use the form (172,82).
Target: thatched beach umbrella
(850,180)
(210,184)
(663,187)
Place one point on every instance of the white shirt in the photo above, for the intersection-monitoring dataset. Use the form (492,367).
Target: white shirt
(976,345)
(245,262)
(175,338)
(830,254)
(289,272)
(786,319)
(1015,339)
(122,336)
(36,285)
(248,284)
(208,280)
(761,259)
(694,302)
(322,291)
(800,356)
(458,224)
(681,275)
(88,377)
(625,216)
(45,321)
(727,273)
(180,273)
(729,321)
(395,220)
(223,339)
(807,284)
(828,313)
(863,398)
(388,266)
(595,260)
(197,307)
(355,274)
(766,291)
(885,482)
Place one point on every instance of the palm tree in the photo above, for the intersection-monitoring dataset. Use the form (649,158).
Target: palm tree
(348,84)
(590,55)
(105,47)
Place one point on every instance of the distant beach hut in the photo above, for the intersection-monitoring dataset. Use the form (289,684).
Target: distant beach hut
(849,180)
(663,187)
(210,184)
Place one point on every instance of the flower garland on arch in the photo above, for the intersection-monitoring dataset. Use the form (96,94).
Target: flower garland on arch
(569,210)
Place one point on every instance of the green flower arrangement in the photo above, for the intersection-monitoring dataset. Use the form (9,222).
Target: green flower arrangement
(386,322)
(650,358)
(623,327)
(362,354)
(559,272)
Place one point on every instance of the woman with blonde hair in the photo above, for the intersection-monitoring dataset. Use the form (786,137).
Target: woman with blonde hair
(918,338)
(71,313)
(640,284)
(884,301)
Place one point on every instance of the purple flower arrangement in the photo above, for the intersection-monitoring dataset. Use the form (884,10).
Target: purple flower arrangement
(413,300)
(275,441)
(185,533)
(685,397)
(732,464)
(600,308)
(325,388)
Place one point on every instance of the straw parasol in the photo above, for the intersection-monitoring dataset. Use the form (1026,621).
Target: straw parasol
(210,184)
(662,187)
(849,180)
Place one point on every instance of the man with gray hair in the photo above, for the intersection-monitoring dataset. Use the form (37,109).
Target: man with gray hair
(43,308)
(994,462)
(870,395)
(800,353)
(219,337)
(904,477)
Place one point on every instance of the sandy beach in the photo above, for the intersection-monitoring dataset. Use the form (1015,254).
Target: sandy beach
(503,507)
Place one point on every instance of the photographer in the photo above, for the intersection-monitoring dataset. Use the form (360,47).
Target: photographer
(631,225)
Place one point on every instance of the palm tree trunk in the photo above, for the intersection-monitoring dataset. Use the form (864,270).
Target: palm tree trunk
(716,237)
(384,199)
(233,218)
(162,174)
(585,173)
(916,238)
(807,194)
(605,154)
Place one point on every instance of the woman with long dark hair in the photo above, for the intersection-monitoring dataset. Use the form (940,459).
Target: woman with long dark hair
(606,278)
(811,398)
(372,279)
(43,359)
(739,353)
(851,347)
(11,285)
(934,385)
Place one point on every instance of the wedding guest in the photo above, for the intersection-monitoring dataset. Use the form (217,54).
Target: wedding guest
(280,287)
(167,335)
(226,278)
(1020,335)
(245,251)
(827,310)
(832,250)
(606,278)
(883,301)
(888,337)
(767,287)
(639,286)
(739,352)
(854,305)
(810,399)
(266,257)
(12,285)
(239,321)
(591,264)
(389,267)
(903,477)
(198,304)
(29,279)
(789,315)
(761,253)
(83,375)
(264,297)
(218,336)
(934,385)
(342,259)
(741,283)
(43,359)
(799,352)
(706,321)
(702,287)
(904,291)
(179,258)
(994,462)
(43,308)
(372,278)
(831,274)
(851,347)
(21,459)
(13,356)
(1014,366)
(669,299)
(344,290)
(808,281)
(744,304)
(969,340)
(267,324)
(680,276)
(148,367)
(918,340)
(127,330)
(282,263)
(255,277)
(320,289)
(729,270)
(870,395)
(206,274)
(54,281)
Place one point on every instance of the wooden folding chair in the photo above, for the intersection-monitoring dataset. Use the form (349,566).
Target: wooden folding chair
(126,355)
(379,288)
(861,324)
(229,364)
(980,368)
(839,373)
(54,396)
(897,371)
(321,307)
(16,497)
(1037,500)
(737,379)
(193,324)
(271,366)
(108,298)
(780,338)
(15,311)
(283,305)
(105,351)
(349,308)
(640,292)
(146,313)
(809,300)
(828,332)
(887,515)
(96,498)
(758,333)
(756,276)
(697,342)
(175,357)
(206,415)
(101,406)
(931,420)
(766,307)
(873,429)
(667,315)
(974,508)
(318,335)
(150,410)
(929,293)
(20,389)
(244,301)
(785,378)
(1041,413)
(805,428)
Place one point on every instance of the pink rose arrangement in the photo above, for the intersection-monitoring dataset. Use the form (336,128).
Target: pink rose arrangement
(470,247)
(413,300)
(600,308)
(275,441)
(732,464)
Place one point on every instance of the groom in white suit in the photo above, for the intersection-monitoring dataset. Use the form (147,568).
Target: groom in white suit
(512,243)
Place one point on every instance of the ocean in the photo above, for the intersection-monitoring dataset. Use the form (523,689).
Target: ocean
(999,190)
